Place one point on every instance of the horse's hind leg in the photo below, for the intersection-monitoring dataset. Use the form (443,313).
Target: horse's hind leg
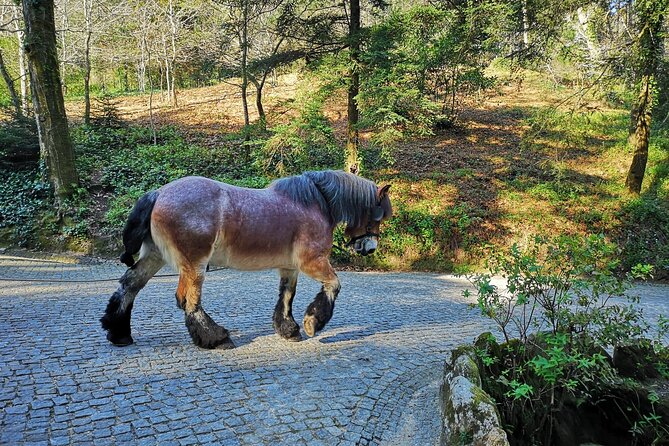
(203,330)
(319,312)
(283,321)
(116,319)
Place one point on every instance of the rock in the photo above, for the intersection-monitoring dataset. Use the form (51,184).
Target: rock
(636,361)
(470,416)
(464,365)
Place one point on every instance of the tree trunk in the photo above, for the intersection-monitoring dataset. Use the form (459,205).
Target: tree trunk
(10,86)
(54,137)
(88,10)
(153,124)
(352,135)
(173,60)
(650,19)
(641,117)
(259,87)
(23,75)
(63,48)
(126,84)
(245,75)
(526,27)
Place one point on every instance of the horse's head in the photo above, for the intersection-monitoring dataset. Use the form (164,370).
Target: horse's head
(365,238)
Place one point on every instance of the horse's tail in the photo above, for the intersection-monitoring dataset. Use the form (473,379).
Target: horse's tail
(138,227)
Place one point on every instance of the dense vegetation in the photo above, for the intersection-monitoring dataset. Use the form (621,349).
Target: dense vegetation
(561,310)
(492,123)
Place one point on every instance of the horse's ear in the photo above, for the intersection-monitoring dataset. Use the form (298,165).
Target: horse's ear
(384,191)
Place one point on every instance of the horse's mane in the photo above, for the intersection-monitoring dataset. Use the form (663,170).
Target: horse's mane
(344,197)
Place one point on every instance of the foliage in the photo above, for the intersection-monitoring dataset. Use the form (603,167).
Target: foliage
(419,64)
(23,196)
(105,112)
(306,142)
(562,301)
(18,139)
(419,236)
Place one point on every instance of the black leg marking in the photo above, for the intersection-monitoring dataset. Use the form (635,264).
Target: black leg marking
(181,303)
(116,321)
(319,312)
(282,320)
(286,327)
(205,332)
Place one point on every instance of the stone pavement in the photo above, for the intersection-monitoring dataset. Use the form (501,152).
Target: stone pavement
(371,377)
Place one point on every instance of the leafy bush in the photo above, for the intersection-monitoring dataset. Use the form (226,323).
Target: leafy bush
(644,234)
(417,238)
(23,196)
(561,304)
(18,140)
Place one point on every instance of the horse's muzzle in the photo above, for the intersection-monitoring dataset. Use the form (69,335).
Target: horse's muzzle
(366,246)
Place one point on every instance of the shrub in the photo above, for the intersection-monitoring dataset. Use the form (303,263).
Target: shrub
(18,140)
(561,304)
(23,196)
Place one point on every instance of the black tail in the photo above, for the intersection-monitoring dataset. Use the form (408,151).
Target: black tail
(138,226)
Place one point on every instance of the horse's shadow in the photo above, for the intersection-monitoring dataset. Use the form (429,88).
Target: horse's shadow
(352,335)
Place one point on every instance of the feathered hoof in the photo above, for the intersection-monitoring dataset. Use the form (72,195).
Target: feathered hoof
(119,341)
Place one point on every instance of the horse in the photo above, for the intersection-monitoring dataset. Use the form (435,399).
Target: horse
(195,222)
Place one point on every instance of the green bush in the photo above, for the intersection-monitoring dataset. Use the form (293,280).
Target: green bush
(644,235)
(23,198)
(18,140)
(557,311)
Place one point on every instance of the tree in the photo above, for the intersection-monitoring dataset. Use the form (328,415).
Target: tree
(23,75)
(88,18)
(10,85)
(352,134)
(54,137)
(650,15)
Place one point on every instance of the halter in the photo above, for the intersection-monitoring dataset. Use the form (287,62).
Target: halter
(368,230)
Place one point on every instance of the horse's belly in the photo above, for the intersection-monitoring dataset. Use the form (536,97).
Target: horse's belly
(250,262)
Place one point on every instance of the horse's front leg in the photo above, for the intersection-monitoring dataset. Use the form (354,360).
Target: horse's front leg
(282,320)
(203,330)
(116,319)
(319,312)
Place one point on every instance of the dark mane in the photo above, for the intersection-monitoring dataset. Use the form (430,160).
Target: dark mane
(344,197)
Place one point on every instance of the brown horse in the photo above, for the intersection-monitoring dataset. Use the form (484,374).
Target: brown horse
(195,222)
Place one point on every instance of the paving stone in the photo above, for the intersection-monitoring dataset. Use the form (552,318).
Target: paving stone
(63,383)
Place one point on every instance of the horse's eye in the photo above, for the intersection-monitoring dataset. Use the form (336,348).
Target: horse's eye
(377,213)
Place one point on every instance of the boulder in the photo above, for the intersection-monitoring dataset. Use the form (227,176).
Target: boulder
(470,416)
(638,361)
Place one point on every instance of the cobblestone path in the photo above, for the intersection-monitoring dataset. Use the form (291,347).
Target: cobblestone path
(368,378)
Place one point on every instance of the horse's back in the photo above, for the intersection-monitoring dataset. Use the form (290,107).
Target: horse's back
(197,219)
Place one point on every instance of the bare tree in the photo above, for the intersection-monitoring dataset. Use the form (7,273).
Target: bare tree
(23,75)
(10,86)
(88,33)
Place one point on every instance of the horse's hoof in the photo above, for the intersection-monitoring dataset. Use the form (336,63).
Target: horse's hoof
(294,338)
(310,324)
(218,344)
(120,341)
(227,344)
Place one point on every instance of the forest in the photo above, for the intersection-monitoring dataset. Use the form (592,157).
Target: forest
(493,120)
